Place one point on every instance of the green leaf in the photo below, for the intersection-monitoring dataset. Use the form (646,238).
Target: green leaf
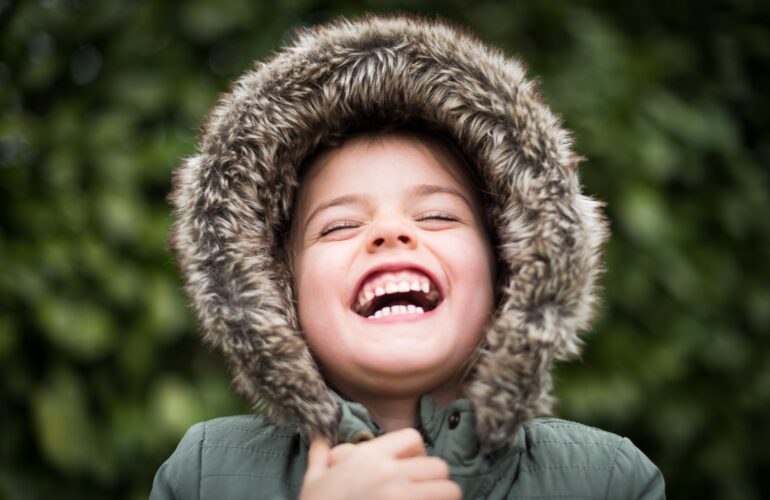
(62,423)
(78,327)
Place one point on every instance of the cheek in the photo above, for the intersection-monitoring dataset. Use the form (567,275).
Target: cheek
(477,291)
(472,264)
(320,289)
(312,310)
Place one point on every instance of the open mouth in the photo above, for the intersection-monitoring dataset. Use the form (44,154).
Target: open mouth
(388,293)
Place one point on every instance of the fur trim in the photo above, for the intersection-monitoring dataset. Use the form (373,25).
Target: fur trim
(233,203)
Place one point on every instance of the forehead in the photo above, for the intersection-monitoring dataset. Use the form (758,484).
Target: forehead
(383,163)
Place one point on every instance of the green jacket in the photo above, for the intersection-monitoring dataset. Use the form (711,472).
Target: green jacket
(233,207)
(243,457)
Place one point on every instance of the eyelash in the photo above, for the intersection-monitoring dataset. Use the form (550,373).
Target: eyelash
(437,215)
(351,225)
(337,226)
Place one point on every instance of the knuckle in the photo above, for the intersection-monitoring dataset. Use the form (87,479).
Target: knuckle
(442,468)
(413,434)
(454,491)
(436,467)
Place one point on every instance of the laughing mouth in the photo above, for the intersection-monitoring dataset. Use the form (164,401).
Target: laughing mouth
(393,293)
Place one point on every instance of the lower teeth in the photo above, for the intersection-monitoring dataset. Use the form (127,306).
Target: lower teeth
(397,310)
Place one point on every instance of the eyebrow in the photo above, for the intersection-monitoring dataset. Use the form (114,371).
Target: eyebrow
(418,191)
(423,190)
(346,199)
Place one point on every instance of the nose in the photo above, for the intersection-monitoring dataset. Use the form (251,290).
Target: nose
(391,232)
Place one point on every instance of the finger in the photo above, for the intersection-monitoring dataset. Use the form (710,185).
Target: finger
(435,490)
(340,453)
(424,468)
(317,458)
(403,443)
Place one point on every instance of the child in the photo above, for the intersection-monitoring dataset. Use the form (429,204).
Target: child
(384,234)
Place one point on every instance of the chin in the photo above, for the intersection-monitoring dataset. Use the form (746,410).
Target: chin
(408,373)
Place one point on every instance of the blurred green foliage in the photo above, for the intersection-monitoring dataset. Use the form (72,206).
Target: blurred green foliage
(99,357)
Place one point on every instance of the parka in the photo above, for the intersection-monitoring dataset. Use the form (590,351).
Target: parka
(243,457)
(233,204)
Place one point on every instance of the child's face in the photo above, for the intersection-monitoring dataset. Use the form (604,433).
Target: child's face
(375,215)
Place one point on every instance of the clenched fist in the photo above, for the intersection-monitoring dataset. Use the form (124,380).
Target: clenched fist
(393,466)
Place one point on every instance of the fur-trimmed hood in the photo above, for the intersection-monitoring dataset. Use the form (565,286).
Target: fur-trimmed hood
(234,198)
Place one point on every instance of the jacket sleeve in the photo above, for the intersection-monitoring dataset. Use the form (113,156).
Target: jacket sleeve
(634,476)
(179,476)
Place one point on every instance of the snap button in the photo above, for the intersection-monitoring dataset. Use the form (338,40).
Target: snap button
(361,436)
(454,420)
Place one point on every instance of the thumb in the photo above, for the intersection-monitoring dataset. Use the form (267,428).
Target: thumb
(340,453)
(317,458)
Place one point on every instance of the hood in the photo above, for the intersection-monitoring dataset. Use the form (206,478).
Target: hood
(233,203)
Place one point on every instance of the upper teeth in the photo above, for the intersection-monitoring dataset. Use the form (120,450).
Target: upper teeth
(399,282)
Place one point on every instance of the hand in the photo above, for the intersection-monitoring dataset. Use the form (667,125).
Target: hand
(393,466)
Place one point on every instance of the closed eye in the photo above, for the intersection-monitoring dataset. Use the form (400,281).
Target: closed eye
(437,216)
(337,226)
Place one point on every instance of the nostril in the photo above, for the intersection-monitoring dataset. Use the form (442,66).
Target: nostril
(390,234)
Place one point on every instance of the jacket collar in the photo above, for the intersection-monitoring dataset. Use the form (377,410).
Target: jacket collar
(449,432)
